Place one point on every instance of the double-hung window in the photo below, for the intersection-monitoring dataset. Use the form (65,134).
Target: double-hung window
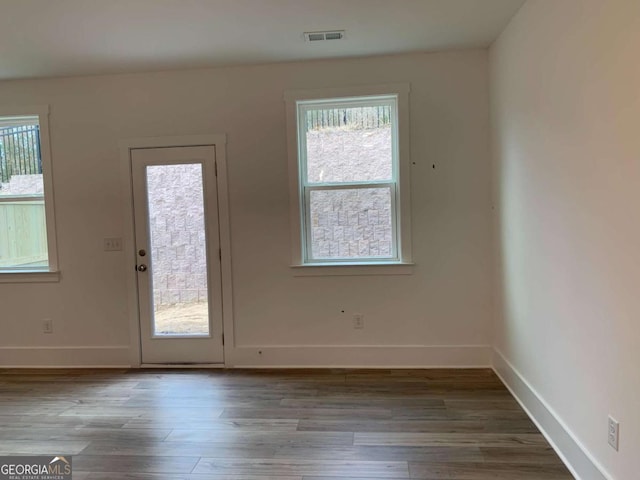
(350,175)
(27,235)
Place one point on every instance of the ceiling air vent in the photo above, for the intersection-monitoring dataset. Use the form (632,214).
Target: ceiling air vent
(322,36)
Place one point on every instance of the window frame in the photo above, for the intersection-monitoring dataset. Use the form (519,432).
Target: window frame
(50,273)
(297,101)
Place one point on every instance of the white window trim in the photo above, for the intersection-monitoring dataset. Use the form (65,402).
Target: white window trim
(403,231)
(52,273)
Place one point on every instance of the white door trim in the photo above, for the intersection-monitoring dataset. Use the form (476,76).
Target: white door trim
(126,145)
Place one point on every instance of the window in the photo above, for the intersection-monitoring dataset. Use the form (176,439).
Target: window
(351,178)
(27,236)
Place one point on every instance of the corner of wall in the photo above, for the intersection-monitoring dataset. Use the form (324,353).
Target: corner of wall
(580,462)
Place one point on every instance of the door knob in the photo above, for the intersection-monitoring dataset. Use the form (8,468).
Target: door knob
(141,268)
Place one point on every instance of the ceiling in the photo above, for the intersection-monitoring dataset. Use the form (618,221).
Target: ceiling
(44,38)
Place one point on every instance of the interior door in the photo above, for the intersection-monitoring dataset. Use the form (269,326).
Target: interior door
(177,243)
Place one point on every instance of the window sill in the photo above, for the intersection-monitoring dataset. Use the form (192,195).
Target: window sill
(18,276)
(351,269)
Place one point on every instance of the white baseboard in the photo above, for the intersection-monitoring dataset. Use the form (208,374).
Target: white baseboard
(411,356)
(357,356)
(351,356)
(65,357)
(576,457)
(182,366)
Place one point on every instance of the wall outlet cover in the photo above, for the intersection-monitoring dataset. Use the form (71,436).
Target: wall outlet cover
(613,433)
(47,325)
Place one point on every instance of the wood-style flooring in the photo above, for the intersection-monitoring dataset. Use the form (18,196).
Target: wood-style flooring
(274,424)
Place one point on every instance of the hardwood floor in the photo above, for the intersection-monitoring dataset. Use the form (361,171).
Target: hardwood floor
(274,424)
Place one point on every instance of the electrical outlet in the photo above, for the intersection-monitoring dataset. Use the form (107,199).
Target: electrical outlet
(614,433)
(47,325)
(358,321)
(113,244)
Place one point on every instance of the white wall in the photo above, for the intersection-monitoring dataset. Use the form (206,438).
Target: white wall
(565,90)
(446,302)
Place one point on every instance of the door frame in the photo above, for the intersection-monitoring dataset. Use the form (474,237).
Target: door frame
(219,141)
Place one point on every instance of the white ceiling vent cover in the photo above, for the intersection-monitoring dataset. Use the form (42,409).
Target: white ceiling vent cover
(322,36)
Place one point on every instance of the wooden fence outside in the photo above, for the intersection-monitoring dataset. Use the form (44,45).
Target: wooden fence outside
(23,233)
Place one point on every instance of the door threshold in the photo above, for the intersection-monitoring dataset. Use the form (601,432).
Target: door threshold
(182,365)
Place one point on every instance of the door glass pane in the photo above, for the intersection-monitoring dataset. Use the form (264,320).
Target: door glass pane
(178,249)
(349,144)
(351,223)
